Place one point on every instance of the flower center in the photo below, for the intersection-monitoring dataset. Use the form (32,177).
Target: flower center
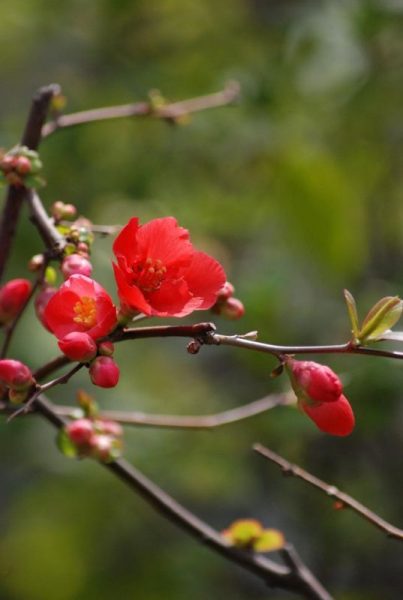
(85,311)
(149,274)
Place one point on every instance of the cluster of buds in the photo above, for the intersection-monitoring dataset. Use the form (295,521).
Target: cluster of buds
(320,395)
(21,167)
(249,534)
(95,437)
(13,297)
(15,378)
(226,305)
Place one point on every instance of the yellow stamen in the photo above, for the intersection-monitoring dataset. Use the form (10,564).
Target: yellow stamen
(85,311)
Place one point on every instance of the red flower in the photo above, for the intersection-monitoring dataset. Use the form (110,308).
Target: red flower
(80,304)
(158,272)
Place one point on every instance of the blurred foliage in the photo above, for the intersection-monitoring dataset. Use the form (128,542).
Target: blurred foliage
(298,191)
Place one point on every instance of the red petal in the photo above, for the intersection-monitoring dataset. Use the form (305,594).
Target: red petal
(205,277)
(171,300)
(163,239)
(336,418)
(126,243)
(130,295)
(59,313)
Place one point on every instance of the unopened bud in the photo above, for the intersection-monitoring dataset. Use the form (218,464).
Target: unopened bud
(232,309)
(59,210)
(75,264)
(13,296)
(78,346)
(23,165)
(15,374)
(104,372)
(80,432)
(106,348)
(313,381)
(36,262)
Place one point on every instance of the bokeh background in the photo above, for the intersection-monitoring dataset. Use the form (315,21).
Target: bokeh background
(298,191)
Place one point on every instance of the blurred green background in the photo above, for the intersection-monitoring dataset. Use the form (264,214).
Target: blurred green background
(298,191)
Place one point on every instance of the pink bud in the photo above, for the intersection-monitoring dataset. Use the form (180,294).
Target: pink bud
(232,308)
(336,418)
(8,163)
(225,292)
(60,210)
(41,302)
(102,447)
(23,165)
(109,427)
(78,346)
(15,374)
(13,296)
(314,381)
(80,432)
(106,348)
(75,264)
(104,372)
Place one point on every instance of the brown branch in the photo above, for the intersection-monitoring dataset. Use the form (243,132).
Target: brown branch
(170,111)
(15,195)
(188,422)
(330,490)
(295,577)
(52,238)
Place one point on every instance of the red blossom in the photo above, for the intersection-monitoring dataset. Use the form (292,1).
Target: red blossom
(104,372)
(15,374)
(158,272)
(80,305)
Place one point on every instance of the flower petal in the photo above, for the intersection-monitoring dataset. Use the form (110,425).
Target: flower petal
(125,242)
(163,239)
(130,295)
(336,418)
(205,277)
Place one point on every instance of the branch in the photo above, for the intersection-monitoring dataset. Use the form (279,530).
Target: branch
(52,238)
(170,112)
(331,491)
(15,195)
(297,578)
(187,422)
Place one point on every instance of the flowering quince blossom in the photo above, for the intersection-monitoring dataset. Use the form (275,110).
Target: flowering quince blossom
(319,393)
(158,272)
(80,305)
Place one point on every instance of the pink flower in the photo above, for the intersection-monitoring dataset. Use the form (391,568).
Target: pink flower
(158,272)
(80,305)
(13,296)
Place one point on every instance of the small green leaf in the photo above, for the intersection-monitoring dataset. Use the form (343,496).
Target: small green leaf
(352,313)
(65,445)
(244,532)
(50,276)
(270,540)
(381,318)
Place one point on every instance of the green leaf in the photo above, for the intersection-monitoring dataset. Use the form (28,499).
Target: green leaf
(381,318)
(352,313)
(65,445)
(269,540)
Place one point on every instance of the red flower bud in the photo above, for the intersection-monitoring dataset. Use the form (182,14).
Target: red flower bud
(78,346)
(336,418)
(13,296)
(8,163)
(80,432)
(15,374)
(109,427)
(104,372)
(106,348)
(60,210)
(76,264)
(232,308)
(102,447)
(313,381)
(225,292)
(23,165)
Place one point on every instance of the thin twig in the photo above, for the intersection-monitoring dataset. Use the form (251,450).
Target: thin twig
(297,579)
(15,195)
(53,239)
(169,112)
(331,491)
(188,422)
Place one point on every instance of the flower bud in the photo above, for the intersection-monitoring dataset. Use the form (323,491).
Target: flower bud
(102,447)
(8,163)
(225,292)
(109,427)
(78,346)
(104,372)
(60,210)
(15,374)
(106,348)
(41,302)
(13,296)
(75,264)
(80,431)
(36,262)
(23,165)
(336,418)
(312,381)
(232,308)
(17,396)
